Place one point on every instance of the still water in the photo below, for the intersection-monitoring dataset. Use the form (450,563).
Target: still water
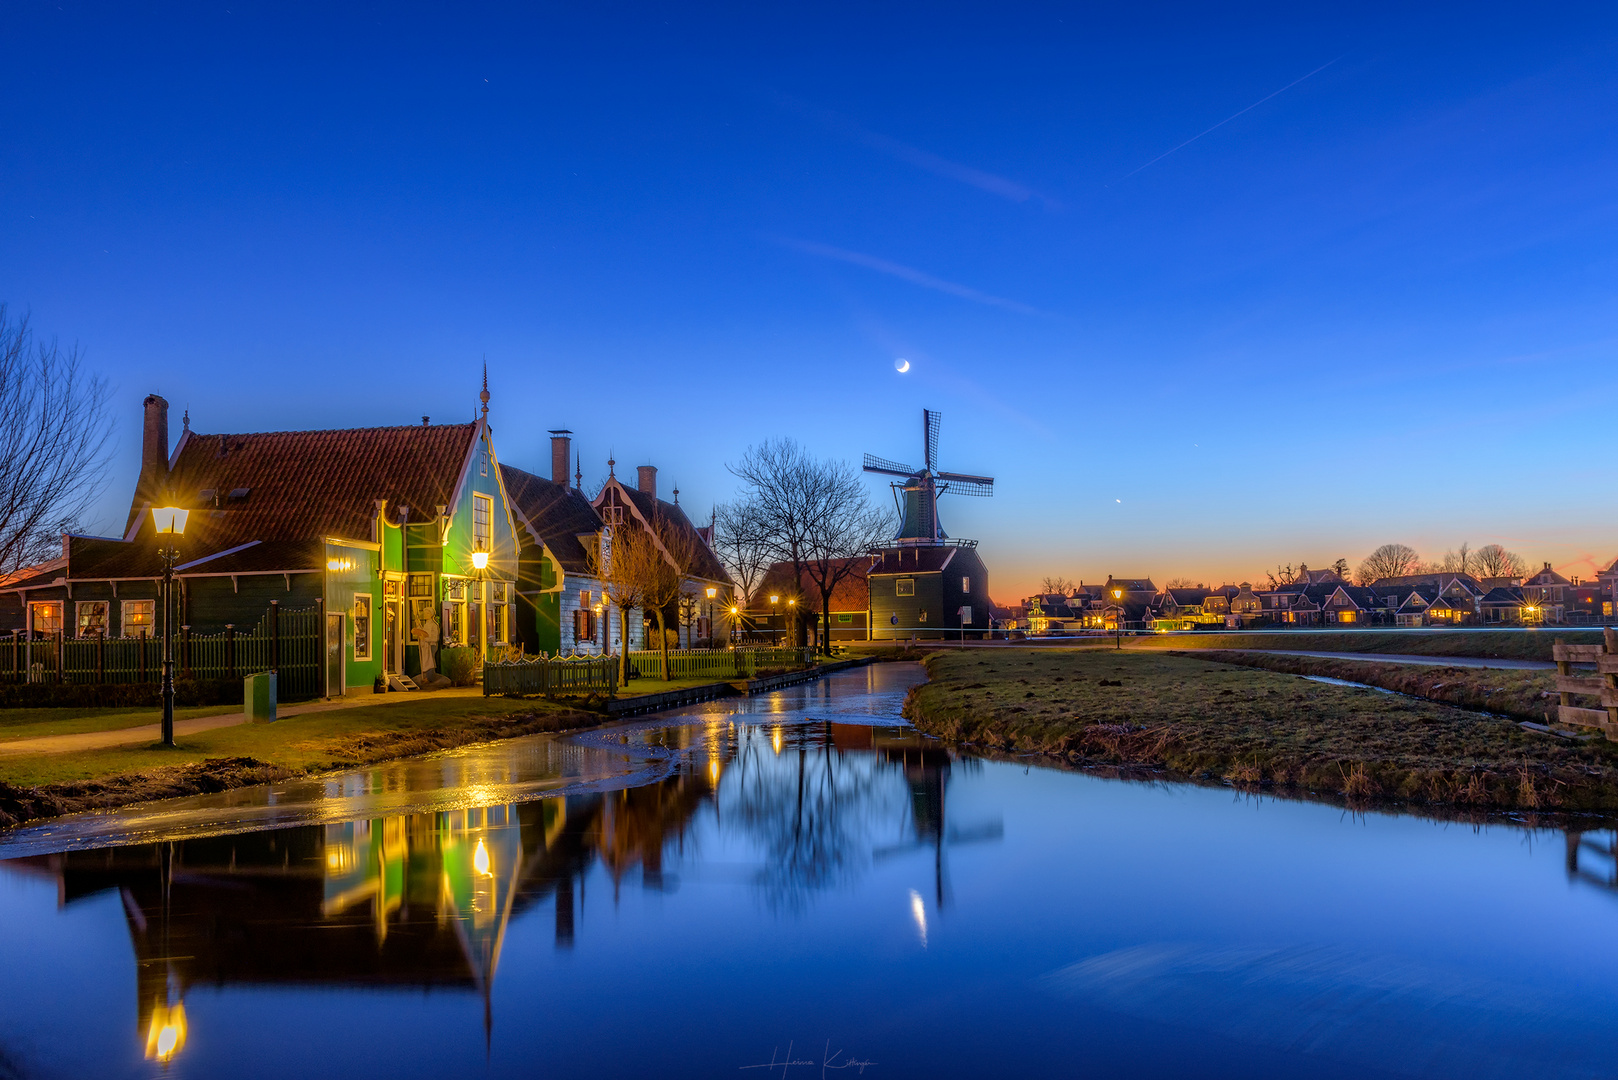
(799,880)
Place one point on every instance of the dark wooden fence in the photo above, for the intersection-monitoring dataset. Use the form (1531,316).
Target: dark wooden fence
(1603,685)
(288,642)
(575,675)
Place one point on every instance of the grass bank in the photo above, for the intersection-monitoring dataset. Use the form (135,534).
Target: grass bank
(1526,695)
(1518,644)
(46,785)
(1200,718)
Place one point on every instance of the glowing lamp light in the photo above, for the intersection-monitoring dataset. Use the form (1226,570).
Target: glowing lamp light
(775,599)
(338,566)
(480,860)
(712,592)
(792,603)
(480,560)
(166,1035)
(733,611)
(169,520)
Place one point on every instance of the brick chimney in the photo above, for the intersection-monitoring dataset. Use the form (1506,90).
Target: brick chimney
(561,454)
(648,480)
(154,452)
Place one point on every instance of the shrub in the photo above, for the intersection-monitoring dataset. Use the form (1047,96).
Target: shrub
(459,665)
(118,695)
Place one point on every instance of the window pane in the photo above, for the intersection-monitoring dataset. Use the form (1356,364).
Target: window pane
(139,617)
(92,618)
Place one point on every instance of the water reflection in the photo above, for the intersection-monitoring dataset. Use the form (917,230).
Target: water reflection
(423,901)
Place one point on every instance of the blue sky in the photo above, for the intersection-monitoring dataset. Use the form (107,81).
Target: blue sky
(1375,306)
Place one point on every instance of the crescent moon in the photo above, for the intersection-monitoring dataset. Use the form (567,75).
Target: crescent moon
(901,366)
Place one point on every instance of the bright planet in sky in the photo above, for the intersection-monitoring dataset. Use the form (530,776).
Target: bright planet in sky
(901,366)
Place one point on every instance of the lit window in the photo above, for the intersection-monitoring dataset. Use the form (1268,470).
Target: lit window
(904,587)
(47,617)
(482,521)
(138,618)
(362,626)
(966,584)
(421,585)
(92,618)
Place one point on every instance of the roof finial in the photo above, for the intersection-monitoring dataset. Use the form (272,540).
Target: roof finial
(484,396)
(578,471)
(676,496)
(610,465)
(186,420)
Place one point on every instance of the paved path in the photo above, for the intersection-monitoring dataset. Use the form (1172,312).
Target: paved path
(150,733)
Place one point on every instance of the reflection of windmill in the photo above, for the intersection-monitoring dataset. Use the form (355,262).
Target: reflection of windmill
(916,493)
(927,772)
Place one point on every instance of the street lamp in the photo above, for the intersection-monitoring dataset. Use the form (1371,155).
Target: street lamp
(1118,619)
(169,524)
(775,613)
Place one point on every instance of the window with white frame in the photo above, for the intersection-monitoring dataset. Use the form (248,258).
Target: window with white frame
(362,626)
(138,618)
(482,522)
(90,616)
(454,611)
(904,587)
(47,616)
(498,612)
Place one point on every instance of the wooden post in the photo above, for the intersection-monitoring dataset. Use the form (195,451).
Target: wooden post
(101,656)
(185,649)
(16,656)
(230,650)
(1563,667)
(1609,643)
(275,635)
(61,657)
(142,649)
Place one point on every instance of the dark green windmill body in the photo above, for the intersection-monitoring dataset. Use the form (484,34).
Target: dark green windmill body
(924,584)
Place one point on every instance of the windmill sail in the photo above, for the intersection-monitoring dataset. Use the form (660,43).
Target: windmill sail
(918,490)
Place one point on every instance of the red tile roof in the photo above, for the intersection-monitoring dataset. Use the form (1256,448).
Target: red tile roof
(853,593)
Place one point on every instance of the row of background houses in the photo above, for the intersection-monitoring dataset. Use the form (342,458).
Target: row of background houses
(1325,598)
(393,533)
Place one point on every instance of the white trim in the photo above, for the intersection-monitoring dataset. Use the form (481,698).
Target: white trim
(217,555)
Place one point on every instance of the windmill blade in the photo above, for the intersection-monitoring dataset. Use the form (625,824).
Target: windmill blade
(966,478)
(883,465)
(930,422)
(955,487)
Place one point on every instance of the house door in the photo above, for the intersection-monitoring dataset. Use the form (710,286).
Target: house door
(334,656)
(392,628)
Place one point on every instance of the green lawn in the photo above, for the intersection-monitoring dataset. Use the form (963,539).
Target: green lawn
(32,723)
(1518,644)
(313,741)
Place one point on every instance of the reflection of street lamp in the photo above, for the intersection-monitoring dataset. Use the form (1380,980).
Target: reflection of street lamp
(1118,619)
(165,1037)
(169,522)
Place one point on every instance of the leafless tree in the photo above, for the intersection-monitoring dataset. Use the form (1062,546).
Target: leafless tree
(843,527)
(1180,583)
(1463,561)
(1282,575)
(1387,561)
(53,439)
(1340,568)
(666,568)
(1494,561)
(623,563)
(1050,585)
(741,544)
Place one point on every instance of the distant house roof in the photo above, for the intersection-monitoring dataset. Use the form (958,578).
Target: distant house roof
(1186,597)
(1131,584)
(1441,581)
(555,515)
(1512,596)
(1546,576)
(852,593)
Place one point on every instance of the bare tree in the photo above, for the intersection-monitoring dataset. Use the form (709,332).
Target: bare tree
(1494,561)
(666,569)
(779,475)
(1282,575)
(1388,561)
(1340,568)
(843,527)
(1458,562)
(741,544)
(1054,585)
(1181,583)
(622,561)
(53,438)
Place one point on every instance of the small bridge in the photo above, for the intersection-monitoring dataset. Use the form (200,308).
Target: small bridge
(1603,686)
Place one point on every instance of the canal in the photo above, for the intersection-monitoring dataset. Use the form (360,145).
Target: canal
(796,885)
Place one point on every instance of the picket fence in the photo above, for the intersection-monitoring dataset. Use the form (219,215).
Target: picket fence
(570,675)
(716,663)
(288,642)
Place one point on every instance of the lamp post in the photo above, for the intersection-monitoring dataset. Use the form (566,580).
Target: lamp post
(712,593)
(1118,619)
(169,524)
(480,564)
(775,613)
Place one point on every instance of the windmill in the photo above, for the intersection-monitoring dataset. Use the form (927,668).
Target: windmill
(916,494)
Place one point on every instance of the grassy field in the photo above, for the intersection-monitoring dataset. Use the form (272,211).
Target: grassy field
(313,742)
(1253,727)
(1495,644)
(31,723)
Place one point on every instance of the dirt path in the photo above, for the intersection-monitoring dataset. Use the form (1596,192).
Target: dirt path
(149,733)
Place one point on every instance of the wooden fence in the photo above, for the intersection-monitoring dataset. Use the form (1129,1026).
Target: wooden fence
(573,675)
(1603,685)
(717,663)
(288,642)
